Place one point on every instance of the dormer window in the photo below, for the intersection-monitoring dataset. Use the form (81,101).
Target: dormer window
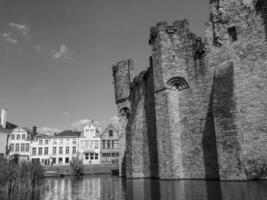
(232,34)
(110,133)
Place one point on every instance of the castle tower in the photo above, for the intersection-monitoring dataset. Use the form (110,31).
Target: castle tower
(170,45)
(236,36)
(123,75)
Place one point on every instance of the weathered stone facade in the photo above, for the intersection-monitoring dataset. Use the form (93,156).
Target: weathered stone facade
(200,110)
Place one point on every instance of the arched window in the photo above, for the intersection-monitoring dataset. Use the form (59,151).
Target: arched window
(178,82)
(125,112)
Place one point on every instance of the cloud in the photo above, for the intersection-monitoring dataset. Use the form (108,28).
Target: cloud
(75,126)
(63,52)
(114,120)
(22,28)
(8,38)
(37,47)
(49,130)
(66,113)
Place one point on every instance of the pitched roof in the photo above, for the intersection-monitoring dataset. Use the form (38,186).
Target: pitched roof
(110,127)
(4,130)
(9,125)
(68,133)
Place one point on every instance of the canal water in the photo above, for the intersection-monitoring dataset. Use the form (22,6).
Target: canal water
(107,187)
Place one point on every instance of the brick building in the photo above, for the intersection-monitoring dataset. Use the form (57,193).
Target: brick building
(199,111)
(109,145)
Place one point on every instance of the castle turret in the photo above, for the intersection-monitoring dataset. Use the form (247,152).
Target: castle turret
(171,51)
(123,75)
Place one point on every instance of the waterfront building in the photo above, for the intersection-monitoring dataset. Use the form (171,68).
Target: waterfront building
(58,149)
(5,131)
(109,145)
(64,147)
(89,145)
(19,143)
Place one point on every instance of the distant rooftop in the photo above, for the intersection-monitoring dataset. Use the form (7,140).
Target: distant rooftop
(68,133)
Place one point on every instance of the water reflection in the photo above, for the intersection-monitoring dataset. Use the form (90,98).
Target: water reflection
(114,188)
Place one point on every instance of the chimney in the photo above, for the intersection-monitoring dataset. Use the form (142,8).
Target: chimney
(3,118)
(34,131)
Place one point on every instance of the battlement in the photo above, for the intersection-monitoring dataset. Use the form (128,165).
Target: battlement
(180,27)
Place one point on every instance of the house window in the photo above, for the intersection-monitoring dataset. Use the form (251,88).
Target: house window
(110,133)
(13,137)
(60,150)
(18,137)
(40,142)
(73,150)
(33,151)
(67,150)
(23,136)
(108,145)
(46,151)
(96,156)
(46,141)
(60,160)
(112,144)
(54,150)
(74,142)
(67,160)
(27,147)
(232,34)
(103,144)
(22,147)
(17,148)
(91,156)
(96,144)
(53,160)
(12,147)
(40,151)
(86,156)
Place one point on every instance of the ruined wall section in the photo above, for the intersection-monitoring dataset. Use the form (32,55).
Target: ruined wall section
(123,76)
(237,50)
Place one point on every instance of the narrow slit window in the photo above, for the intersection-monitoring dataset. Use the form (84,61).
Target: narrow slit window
(232,34)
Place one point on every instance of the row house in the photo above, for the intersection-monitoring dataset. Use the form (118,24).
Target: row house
(5,132)
(59,149)
(109,145)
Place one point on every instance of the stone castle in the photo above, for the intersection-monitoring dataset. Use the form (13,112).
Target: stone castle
(200,109)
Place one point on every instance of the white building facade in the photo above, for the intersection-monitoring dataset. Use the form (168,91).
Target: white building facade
(89,145)
(19,143)
(59,149)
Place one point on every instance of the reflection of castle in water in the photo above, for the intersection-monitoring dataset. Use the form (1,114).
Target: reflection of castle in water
(110,187)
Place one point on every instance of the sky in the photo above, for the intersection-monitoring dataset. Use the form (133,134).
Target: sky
(56,56)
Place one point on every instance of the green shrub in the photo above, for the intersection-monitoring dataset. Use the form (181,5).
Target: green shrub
(77,166)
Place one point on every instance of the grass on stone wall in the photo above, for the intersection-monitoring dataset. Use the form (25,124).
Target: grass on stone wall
(16,177)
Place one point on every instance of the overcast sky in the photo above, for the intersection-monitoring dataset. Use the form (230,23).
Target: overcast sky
(56,55)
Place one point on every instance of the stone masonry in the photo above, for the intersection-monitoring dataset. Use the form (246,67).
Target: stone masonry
(200,109)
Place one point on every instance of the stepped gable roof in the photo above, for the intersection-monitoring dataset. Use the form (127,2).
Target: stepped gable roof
(110,127)
(68,133)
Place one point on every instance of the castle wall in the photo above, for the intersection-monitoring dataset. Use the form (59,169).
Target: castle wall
(200,112)
(238,101)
